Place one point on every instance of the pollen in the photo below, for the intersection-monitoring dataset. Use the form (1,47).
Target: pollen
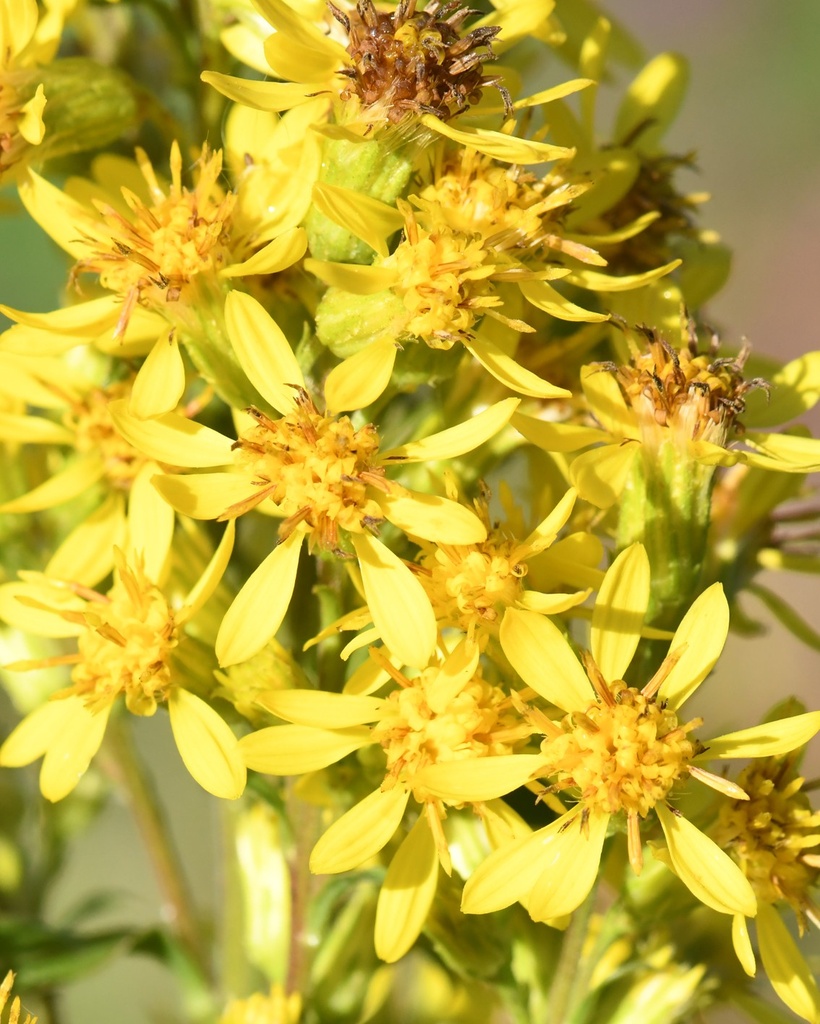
(434,718)
(316,469)
(151,256)
(698,395)
(623,753)
(94,430)
(127,644)
(412,62)
(774,835)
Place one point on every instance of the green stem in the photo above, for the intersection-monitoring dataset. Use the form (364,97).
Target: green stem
(144,804)
(566,985)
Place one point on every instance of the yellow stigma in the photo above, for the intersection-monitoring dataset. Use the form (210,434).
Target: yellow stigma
(443,283)
(430,721)
(94,430)
(697,395)
(316,469)
(471,585)
(150,257)
(622,754)
(773,834)
(126,646)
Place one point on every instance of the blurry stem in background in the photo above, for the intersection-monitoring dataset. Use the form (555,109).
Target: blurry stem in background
(302,887)
(125,766)
(569,984)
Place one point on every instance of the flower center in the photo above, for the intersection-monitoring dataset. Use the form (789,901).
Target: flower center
(696,394)
(434,719)
(127,644)
(315,469)
(443,283)
(408,62)
(94,430)
(623,756)
(149,257)
(773,833)
(470,586)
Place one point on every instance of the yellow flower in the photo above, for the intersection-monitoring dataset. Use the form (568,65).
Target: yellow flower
(445,714)
(166,252)
(377,68)
(273,1008)
(14,1012)
(673,396)
(103,461)
(773,837)
(325,476)
(619,751)
(127,644)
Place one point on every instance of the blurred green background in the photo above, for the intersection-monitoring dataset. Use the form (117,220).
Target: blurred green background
(752,117)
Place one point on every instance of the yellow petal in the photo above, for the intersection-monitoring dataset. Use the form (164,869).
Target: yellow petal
(474,780)
(652,101)
(619,612)
(402,612)
(361,378)
(297,749)
(795,389)
(455,441)
(600,475)
(510,373)
(369,219)
(272,96)
(786,967)
(551,604)
(60,216)
(33,429)
(743,944)
(597,281)
(208,748)
(557,437)
(173,439)
(541,655)
(321,710)
(150,525)
(407,893)
(263,351)
(544,296)
(570,862)
(27,606)
(160,382)
(85,556)
(209,580)
(702,634)
(36,733)
(83,321)
(709,873)
(360,833)
(507,148)
(204,495)
(285,250)
(71,749)
(773,739)
(298,49)
(432,517)
(608,404)
(510,872)
(259,607)
(788,453)
(79,476)
(31,125)
(547,530)
(361,280)
(18,22)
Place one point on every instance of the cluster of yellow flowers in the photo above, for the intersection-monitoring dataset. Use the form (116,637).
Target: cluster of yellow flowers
(430,347)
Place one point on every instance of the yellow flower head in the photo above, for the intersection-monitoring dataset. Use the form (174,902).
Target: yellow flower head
(126,642)
(773,835)
(15,1014)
